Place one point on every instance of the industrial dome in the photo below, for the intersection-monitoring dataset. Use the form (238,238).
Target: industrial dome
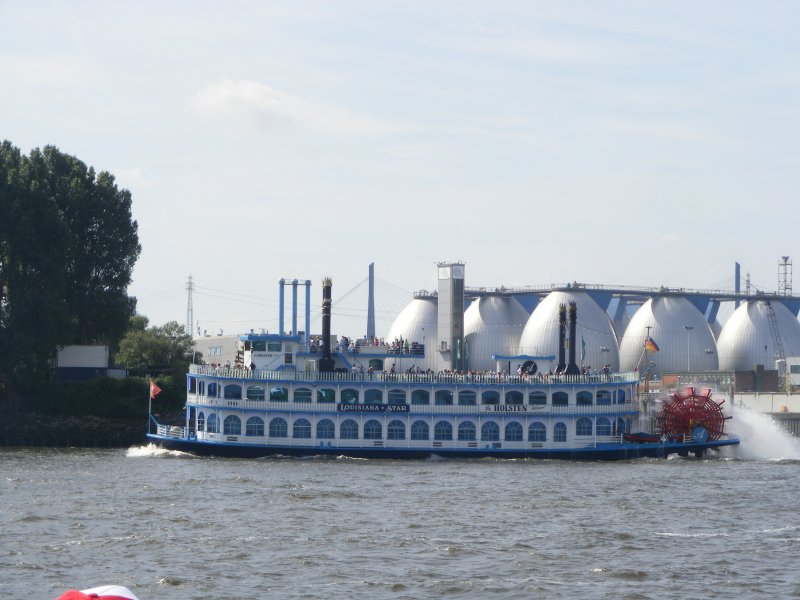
(683,336)
(747,340)
(492,325)
(417,323)
(598,342)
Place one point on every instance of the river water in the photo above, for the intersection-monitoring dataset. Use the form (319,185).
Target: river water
(167,525)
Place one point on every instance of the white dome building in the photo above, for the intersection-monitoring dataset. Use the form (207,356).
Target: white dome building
(417,322)
(746,339)
(492,325)
(683,336)
(598,341)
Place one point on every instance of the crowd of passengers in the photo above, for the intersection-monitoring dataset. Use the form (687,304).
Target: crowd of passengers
(354,346)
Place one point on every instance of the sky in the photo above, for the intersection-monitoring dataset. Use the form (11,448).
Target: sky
(639,143)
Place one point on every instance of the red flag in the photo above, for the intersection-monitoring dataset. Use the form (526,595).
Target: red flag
(154,389)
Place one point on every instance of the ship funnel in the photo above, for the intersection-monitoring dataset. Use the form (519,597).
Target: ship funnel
(572,367)
(562,338)
(326,362)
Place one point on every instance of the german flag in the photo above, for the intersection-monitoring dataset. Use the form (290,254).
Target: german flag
(650,345)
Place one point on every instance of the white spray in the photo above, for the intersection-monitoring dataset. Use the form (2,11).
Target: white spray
(761,437)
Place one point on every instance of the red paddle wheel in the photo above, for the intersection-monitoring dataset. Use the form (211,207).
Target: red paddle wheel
(692,414)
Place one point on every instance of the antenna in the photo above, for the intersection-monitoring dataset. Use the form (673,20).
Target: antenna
(189,306)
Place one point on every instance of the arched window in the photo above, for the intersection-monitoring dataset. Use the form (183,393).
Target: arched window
(301,429)
(349,396)
(397,396)
(419,430)
(233,392)
(443,431)
(213,424)
(254,426)
(490,397)
(467,398)
(302,395)
(212,390)
(279,394)
(584,398)
(348,430)
(466,431)
(326,396)
(514,398)
(278,428)
(603,426)
(421,397)
(537,398)
(559,432)
(201,421)
(620,396)
(619,426)
(232,425)
(443,397)
(513,431)
(373,430)
(603,397)
(255,392)
(537,432)
(560,399)
(490,432)
(325,430)
(373,396)
(396,430)
(583,426)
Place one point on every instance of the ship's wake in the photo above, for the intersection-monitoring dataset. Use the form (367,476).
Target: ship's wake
(761,437)
(153,451)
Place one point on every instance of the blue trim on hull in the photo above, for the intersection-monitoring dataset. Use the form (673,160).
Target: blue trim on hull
(601,452)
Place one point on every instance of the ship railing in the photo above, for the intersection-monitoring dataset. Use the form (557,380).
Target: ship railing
(172,431)
(413,378)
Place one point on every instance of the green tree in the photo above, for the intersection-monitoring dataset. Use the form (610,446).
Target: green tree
(162,348)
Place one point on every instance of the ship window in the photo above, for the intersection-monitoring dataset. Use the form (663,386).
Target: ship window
(212,390)
(255,392)
(212,425)
(537,432)
(514,398)
(373,397)
(278,428)
(279,394)
(513,432)
(467,398)
(192,385)
(419,430)
(584,398)
(421,397)
(396,430)
(583,426)
(325,430)
(603,426)
(255,426)
(373,430)
(490,397)
(466,431)
(444,397)
(348,430)
(620,396)
(559,432)
(376,364)
(326,396)
(233,392)
(560,399)
(619,426)
(232,425)
(301,429)
(397,396)
(201,387)
(273,346)
(490,432)
(349,396)
(287,358)
(537,398)
(258,346)
(302,395)
(603,397)
(201,421)
(443,431)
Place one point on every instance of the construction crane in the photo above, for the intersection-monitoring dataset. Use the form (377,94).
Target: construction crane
(784,380)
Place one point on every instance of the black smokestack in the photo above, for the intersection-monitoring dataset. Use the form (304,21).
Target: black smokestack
(326,362)
(572,367)
(562,338)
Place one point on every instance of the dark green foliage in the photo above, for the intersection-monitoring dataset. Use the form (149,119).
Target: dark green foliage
(159,348)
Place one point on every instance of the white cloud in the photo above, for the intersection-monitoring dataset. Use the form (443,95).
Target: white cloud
(254,99)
